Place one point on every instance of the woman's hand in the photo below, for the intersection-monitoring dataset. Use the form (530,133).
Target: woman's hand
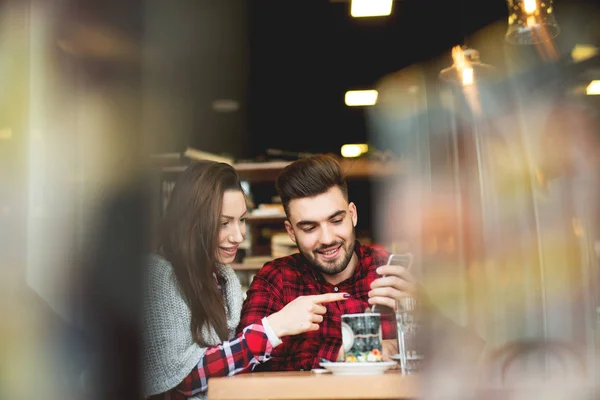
(303,314)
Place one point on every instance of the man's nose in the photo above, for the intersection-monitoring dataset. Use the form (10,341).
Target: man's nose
(327,235)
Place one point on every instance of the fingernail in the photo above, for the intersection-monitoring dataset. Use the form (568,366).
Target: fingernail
(346,295)
(378,270)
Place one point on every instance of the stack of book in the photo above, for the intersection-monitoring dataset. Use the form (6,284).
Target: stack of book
(282,245)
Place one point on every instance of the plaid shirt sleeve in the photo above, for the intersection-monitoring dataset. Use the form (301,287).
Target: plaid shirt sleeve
(249,348)
(264,297)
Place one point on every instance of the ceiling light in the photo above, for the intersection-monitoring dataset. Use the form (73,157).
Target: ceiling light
(593,88)
(582,52)
(361,98)
(370,8)
(354,150)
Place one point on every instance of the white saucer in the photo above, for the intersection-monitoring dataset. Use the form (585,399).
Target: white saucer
(358,368)
(319,371)
(398,357)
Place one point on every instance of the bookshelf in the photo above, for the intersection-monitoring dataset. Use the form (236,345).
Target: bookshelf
(265,219)
(268,171)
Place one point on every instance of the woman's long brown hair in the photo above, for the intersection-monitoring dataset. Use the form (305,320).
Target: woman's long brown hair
(189,240)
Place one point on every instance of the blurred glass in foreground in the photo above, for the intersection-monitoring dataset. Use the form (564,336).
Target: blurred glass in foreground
(499,204)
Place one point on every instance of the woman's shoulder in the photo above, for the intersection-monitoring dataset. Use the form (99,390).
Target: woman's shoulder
(158,269)
(158,261)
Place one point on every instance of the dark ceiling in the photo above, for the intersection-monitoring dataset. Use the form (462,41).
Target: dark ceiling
(306,55)
(288,64)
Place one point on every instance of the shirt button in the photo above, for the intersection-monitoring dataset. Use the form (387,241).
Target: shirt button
(336,289)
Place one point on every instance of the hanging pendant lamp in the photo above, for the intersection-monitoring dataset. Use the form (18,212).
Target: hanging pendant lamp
(531,22)
(466,68)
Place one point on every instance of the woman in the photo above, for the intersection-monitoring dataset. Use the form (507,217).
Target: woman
(194,298)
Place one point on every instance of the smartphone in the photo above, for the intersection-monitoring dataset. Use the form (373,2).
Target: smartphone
(404,260)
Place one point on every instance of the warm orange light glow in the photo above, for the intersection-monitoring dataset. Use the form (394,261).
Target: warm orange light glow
(593,88)
(529,6)
(582,52)
(467,76)
(354,150)
(463,66)
(458,56)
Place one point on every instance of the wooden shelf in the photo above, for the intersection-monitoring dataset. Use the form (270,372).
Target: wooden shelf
(260,172)
(363,168)
(246,267)
(353,168)
(265,219)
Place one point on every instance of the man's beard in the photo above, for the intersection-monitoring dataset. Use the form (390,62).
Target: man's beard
(335,266)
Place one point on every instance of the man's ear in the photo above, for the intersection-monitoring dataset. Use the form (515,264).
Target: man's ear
(290,230)
(353,213)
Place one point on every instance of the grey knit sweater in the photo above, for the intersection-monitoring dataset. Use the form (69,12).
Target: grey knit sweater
(170,353)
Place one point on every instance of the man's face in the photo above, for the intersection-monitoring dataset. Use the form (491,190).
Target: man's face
(323,229)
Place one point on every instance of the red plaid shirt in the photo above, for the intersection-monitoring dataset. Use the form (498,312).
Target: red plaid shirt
(282,280)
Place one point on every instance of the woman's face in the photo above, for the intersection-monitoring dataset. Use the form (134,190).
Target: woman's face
(232,225)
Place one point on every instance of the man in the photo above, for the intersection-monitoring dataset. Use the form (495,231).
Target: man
(321,221)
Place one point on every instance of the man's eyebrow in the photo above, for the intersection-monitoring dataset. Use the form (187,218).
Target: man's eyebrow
(334,215)
(305,223)
(337,214)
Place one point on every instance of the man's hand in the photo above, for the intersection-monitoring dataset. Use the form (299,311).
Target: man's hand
(396,282)
(303,314)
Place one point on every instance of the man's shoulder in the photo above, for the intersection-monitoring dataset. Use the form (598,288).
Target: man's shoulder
(373,254)
(280,267)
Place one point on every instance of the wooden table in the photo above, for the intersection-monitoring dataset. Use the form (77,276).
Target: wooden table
(304,385)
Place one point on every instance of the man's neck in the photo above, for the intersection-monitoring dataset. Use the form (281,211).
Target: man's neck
(345,274)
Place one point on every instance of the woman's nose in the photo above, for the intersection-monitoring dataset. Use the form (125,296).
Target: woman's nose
(236,237)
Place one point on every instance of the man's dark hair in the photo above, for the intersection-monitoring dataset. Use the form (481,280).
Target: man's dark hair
(309,177)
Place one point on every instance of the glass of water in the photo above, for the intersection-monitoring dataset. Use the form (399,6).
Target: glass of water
(408,326)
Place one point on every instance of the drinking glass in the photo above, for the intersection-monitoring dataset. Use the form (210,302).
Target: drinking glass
(408,327)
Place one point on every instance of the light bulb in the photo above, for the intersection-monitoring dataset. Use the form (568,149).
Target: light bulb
(529,6)
(531,22)
(467,76)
